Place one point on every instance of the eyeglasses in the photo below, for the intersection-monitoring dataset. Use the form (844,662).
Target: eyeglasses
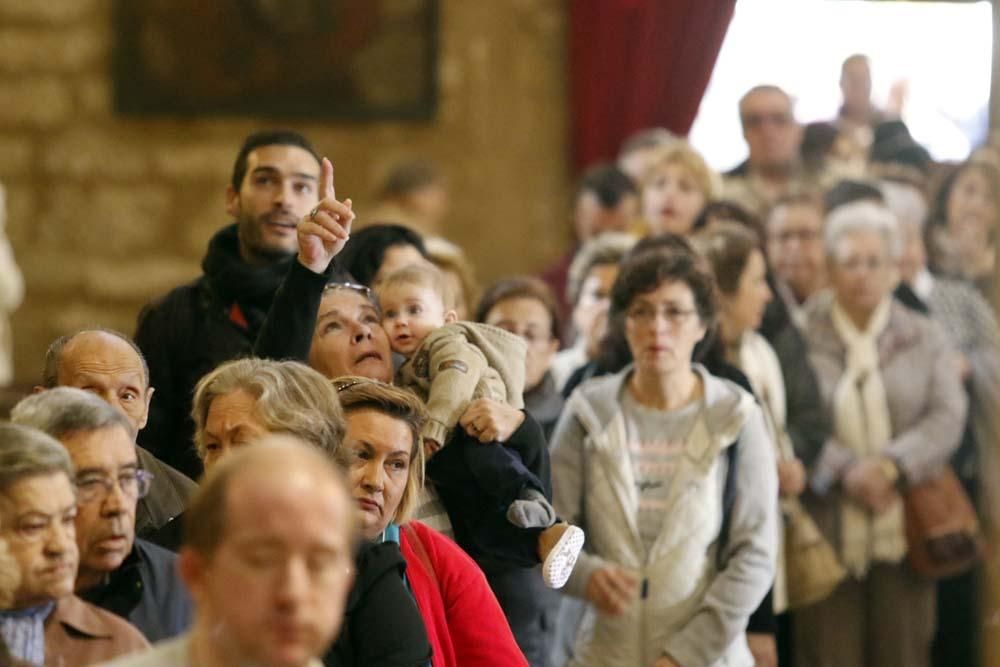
(94,487)
(853,264)
(363,290)
(344,385)
(800,235)
(646,314)
(777,118)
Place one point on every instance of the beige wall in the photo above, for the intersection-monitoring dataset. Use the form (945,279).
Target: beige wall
(105,212)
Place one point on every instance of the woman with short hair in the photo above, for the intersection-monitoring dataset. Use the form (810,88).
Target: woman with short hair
(890,382)
(244,400)
(670,471)
(525,306)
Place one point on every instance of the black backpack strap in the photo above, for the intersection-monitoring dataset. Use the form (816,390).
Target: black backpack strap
(728,500)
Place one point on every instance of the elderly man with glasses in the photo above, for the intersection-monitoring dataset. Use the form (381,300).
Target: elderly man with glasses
(130,577)
(45,623)
(773,138)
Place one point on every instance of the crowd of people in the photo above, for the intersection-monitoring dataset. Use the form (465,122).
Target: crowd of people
(333,448)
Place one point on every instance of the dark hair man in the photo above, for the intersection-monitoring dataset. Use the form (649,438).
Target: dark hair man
(282,201)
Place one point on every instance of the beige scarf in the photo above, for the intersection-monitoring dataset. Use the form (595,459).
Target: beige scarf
(862,424)
(760,364)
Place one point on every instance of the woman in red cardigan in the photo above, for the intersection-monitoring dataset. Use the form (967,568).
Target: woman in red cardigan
(464,622)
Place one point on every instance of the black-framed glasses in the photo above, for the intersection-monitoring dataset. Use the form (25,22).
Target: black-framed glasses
(92,487)
(647,314)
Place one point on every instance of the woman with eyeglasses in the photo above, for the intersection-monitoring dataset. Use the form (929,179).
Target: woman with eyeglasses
(892,386)
(671,471)
(244,400)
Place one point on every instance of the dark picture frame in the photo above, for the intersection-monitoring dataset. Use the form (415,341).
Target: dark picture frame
(364,60)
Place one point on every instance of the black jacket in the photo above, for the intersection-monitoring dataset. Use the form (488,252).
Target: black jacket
(382,626)
(196,327)
(167,499)
(147,592)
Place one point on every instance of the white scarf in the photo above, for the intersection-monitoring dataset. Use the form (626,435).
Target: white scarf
(862,424)
(760,364)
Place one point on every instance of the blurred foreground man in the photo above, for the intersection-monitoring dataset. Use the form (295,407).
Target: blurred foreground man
(268,561)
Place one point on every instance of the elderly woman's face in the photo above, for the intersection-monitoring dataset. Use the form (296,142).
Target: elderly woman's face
(37,517)
(862,271)
(349,340)
(662,327)
(232,422)
(382,447)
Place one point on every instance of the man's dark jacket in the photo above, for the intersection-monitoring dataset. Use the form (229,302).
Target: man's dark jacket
(146,590)
(198,326)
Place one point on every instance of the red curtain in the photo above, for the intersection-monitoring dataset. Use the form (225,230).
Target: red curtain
(639,63)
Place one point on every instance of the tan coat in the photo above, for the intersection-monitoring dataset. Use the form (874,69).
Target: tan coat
(459,363)
(78,634)
(926,403)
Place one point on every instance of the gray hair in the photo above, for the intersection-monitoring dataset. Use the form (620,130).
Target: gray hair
(608,248)
(63,410)
(291,398)
(27,452)
(53,356)
(862,216)
(906,202)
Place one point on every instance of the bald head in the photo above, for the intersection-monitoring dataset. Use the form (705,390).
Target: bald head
(106,363)
(268,553)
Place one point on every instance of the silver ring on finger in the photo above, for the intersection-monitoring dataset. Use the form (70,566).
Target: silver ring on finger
(312,214)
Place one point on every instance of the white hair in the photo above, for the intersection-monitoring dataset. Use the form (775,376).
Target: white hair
(906,202)
(858,217)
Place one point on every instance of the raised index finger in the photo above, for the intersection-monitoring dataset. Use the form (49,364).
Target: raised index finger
(326,190)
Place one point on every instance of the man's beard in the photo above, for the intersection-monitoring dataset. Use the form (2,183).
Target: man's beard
(251,235)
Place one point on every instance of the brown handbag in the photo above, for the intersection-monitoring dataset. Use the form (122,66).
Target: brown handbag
(942,531)
(812,570)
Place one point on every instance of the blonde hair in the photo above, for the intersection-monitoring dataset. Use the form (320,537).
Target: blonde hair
(681,153)
(360,393)
(291,398)
(422,275)
(450,258)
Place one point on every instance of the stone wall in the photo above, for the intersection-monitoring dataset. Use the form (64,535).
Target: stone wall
(105,212)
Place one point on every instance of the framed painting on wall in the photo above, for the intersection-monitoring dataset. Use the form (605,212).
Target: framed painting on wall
(319,59)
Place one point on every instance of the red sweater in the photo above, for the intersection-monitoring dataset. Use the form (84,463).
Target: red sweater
(465,624)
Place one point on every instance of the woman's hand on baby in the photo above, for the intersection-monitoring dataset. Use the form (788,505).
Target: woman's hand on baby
(491,421)
(611,589)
